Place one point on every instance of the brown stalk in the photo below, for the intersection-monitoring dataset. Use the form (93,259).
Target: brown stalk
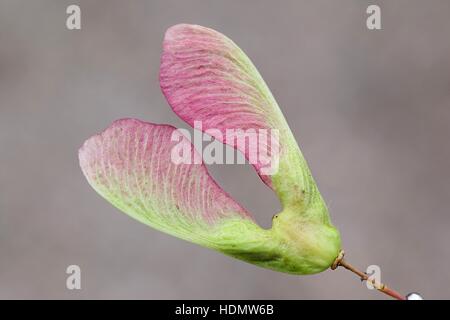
(340,262)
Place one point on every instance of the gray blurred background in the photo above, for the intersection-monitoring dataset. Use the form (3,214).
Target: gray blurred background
(370,109)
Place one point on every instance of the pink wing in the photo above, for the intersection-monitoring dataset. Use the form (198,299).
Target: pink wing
(206,77)
(131,165)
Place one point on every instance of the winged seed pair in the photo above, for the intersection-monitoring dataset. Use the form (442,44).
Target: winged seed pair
(206,77)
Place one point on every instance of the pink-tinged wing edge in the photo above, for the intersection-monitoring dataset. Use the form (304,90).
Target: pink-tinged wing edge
(206,77)
(129,164)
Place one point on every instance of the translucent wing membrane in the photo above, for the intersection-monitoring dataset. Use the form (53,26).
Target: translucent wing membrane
(206,77)
(130,164)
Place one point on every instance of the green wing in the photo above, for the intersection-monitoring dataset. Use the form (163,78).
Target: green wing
(130,164)
(206,77)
